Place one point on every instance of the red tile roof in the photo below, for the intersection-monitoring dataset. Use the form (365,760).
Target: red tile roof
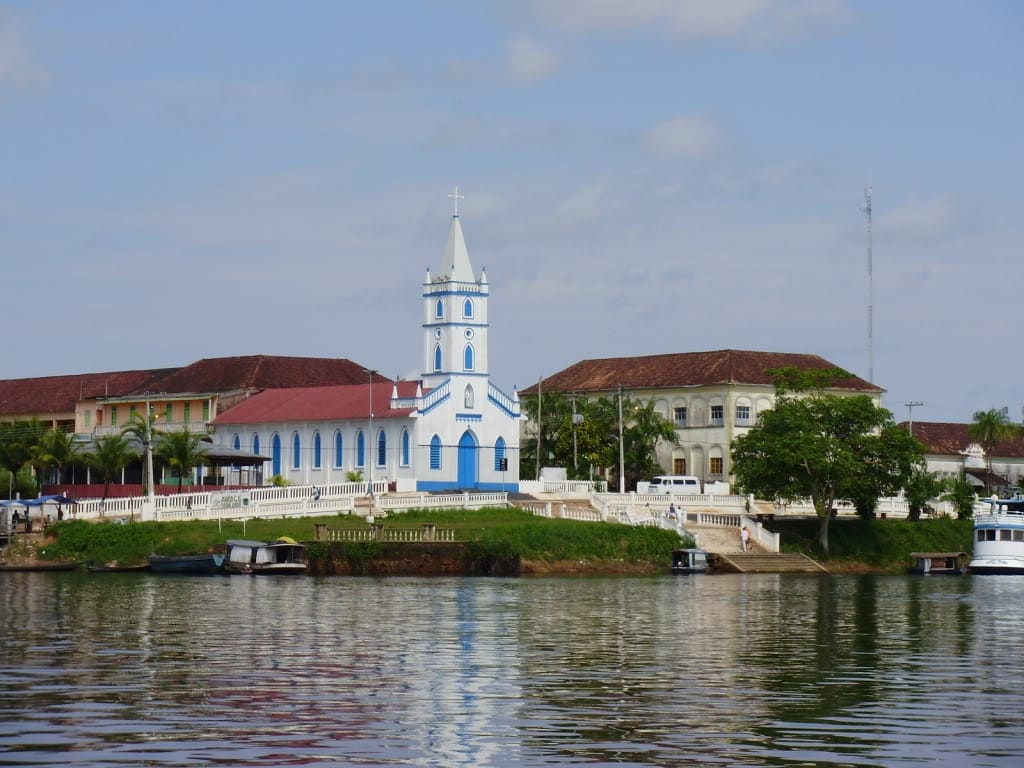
(224,374)
(686,369)
(58,394)
(318,404)
(947,439)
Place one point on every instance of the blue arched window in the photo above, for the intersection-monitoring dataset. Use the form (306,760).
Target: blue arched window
(316,450)
(382,449)
(439,309)
(499,453)
(338,445)
(435,452)
(467,308)
(237,442)
(256,444)
(360,449)
(467,362)
(275,453)
(296,451)
(405,447)
(437,358)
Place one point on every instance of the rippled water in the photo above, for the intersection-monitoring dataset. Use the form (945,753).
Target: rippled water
(133,669)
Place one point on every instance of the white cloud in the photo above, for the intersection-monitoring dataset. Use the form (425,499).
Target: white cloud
(17,66)
(695,19)
(686,135)
(919,221)
(527,61)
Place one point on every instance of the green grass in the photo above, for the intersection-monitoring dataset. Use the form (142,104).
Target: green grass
(507,532)
(884,544)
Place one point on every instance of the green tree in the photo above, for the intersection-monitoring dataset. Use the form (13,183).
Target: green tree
(181,450)
(19,442)
(990,428)
(824,447)
(110,455)
(920,488)
(143,430)
(960,494)
(57,449)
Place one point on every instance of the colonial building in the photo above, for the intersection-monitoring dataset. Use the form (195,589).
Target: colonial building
(451,429)
(712,397)
(951,452)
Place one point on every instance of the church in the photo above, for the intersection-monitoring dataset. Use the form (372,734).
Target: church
(451,429)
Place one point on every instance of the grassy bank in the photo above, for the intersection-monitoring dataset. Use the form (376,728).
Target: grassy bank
(880,545)
(496,532)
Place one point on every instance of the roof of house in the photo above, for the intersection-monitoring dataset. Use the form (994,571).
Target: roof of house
(335,403)
(686,369)
(223,374)
(948,439)
(58,394)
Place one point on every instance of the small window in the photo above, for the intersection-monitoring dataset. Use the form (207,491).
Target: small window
(1018,535)
(296,451)
(256,444)
(316,450)
(679,466)
(499,455)
(236,443)
(168,413)
(716,465)
(435,452)
(1005,534)
(468,358)
(716,415)
(338,454)
(360,449)
(113,415)
(187,417)
(87,416)
(132,412)
(742,414)
(437,358)
(439,309)
(382,449)
(680,416)
(405,447)
(467,308)
(206,410)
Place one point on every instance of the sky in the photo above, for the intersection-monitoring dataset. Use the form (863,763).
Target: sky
(182,180)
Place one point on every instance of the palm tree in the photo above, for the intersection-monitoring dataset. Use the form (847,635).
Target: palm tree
(142,430)
(991,427)
(111,454)
(56,449)
(182,450)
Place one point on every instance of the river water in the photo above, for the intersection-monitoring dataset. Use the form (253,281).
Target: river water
(135,669)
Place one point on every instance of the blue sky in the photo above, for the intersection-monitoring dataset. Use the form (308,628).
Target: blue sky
(182,180)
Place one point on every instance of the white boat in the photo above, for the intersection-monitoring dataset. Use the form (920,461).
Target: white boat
(281,556)
(999,537)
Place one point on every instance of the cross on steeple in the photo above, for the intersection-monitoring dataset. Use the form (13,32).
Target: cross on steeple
(457,197)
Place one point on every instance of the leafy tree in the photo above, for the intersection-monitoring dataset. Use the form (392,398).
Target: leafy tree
(110,455)
(823,447)
(142,429)
(960,494)
(57,449)
(991,427)
(18,443)
(921,487)
(182,450)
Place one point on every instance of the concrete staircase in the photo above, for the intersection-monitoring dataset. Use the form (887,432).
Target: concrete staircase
(764,562)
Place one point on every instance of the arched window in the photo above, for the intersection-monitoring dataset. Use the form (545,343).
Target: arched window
(382,449)
(316,450)
(405,447)
(338,445)
(467,400)
(467,308)
(296,451)
(435,452)
(275,453)
(236,443)
(360,449)
(439,309)
(499,454)
(256,444)
(437,358)
(467,362)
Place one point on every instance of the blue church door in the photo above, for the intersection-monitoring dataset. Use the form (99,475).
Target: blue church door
(275,453)
(467,460)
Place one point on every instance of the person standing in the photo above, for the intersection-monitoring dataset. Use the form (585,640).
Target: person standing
(745,539)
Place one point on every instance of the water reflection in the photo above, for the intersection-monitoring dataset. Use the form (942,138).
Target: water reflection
(128,669)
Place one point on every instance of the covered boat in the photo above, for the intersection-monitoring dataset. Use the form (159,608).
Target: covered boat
(938,563)
(281,556)
(195,565)
(999,537)
(689,561)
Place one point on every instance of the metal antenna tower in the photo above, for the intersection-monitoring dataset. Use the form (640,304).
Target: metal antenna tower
(871,289)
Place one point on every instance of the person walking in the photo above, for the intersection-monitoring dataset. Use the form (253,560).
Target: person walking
(745,539)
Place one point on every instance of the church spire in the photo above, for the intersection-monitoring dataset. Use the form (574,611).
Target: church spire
(455,264)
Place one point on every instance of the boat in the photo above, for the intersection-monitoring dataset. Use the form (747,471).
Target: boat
(116,567)
(197,565)
(938,563)
(39,565)
(999,537)
(689,561)
(281,556)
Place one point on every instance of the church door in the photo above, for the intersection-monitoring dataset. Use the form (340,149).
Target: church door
(467,460)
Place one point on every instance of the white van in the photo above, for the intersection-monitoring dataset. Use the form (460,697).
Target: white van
(674,484)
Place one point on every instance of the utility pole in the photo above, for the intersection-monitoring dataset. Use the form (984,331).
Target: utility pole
(871,289)
(540,428)
(370,447)
(910,414)
(622,449)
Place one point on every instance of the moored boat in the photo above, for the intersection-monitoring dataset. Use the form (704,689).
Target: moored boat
(198,565)
(281,556)
(999,537)
(40,565)
(116,567)
(938,563)
(689,561)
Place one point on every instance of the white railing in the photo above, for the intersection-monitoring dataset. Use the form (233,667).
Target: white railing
(502,400)
(581,488)
(436,396)
(465,500)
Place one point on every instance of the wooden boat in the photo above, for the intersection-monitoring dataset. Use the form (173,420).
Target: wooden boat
(938,563)
(197,565)
(283,556)
(40,566)
(115,567)
(689,561)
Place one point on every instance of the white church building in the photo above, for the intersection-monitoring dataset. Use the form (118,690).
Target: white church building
(452,429)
